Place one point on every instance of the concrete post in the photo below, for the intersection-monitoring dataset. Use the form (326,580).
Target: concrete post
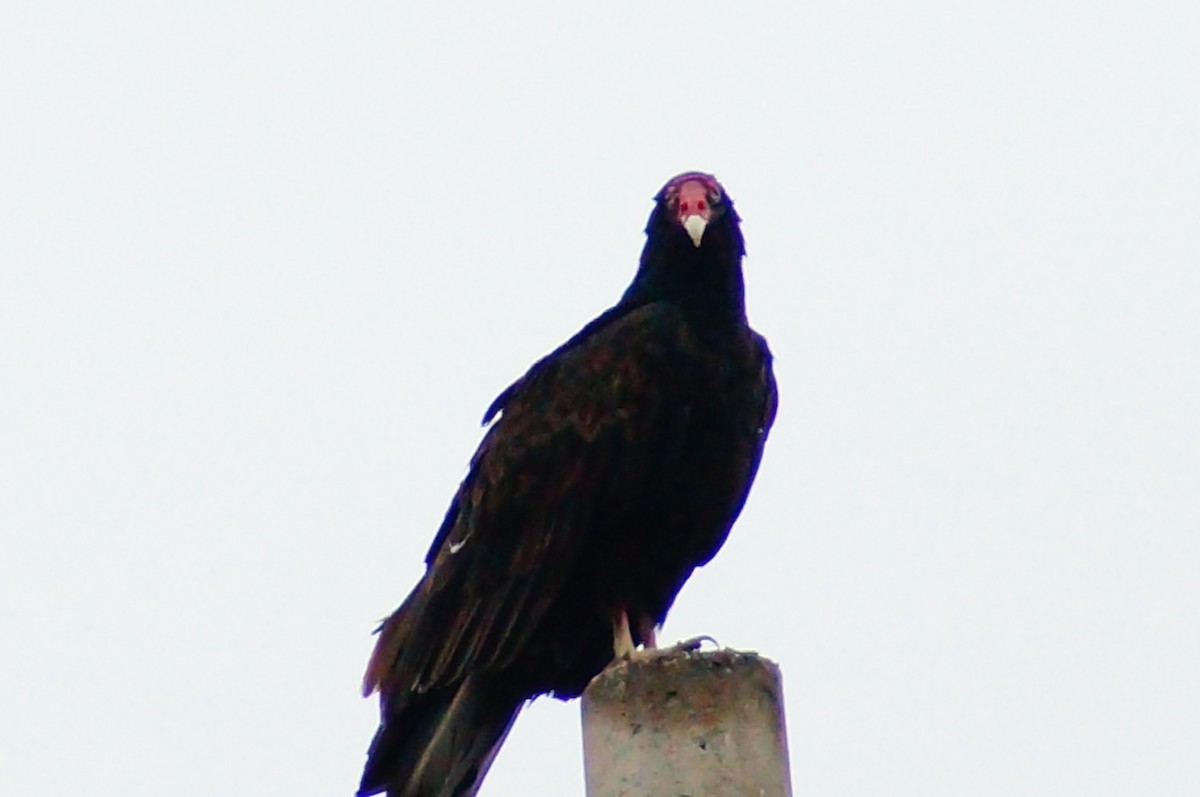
(686,724)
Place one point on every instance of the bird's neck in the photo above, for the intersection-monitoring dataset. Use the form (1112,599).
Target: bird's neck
(705,281)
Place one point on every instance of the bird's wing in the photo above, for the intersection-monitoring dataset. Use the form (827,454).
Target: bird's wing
(770,401)
(574,438)
(756,419)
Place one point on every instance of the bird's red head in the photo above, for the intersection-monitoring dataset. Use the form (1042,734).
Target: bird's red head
(692,199)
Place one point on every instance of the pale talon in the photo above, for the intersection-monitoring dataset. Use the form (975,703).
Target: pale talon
(695,643)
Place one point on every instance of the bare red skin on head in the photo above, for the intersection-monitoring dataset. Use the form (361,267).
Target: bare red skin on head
(692,194)
(693,200)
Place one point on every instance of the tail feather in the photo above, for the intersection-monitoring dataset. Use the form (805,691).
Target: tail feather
(442,742)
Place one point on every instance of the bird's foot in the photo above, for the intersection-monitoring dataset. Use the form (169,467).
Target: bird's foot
(694,643)
(626,649)
(650,653)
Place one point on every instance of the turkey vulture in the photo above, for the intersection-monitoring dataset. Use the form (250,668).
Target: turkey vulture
(613,468)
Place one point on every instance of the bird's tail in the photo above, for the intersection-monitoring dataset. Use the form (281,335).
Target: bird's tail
(441,743)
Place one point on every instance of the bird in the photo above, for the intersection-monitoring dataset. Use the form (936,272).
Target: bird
(608,472)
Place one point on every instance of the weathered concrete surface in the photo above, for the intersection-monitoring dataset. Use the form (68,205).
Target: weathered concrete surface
(694,724)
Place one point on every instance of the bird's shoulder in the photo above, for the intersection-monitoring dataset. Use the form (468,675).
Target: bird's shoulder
(618,353)
(553,430)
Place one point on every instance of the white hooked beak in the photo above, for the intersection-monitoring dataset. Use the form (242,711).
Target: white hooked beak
(695,225)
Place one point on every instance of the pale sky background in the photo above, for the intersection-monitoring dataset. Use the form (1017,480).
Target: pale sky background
(265,265)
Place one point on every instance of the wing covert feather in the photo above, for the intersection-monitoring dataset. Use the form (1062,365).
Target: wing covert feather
(575,432)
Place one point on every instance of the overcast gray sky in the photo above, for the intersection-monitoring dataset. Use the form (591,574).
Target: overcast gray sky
(265,265)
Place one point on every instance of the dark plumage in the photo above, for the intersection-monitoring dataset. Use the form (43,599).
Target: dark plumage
(615,466)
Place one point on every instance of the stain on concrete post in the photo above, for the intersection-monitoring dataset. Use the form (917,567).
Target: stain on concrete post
(694,724)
